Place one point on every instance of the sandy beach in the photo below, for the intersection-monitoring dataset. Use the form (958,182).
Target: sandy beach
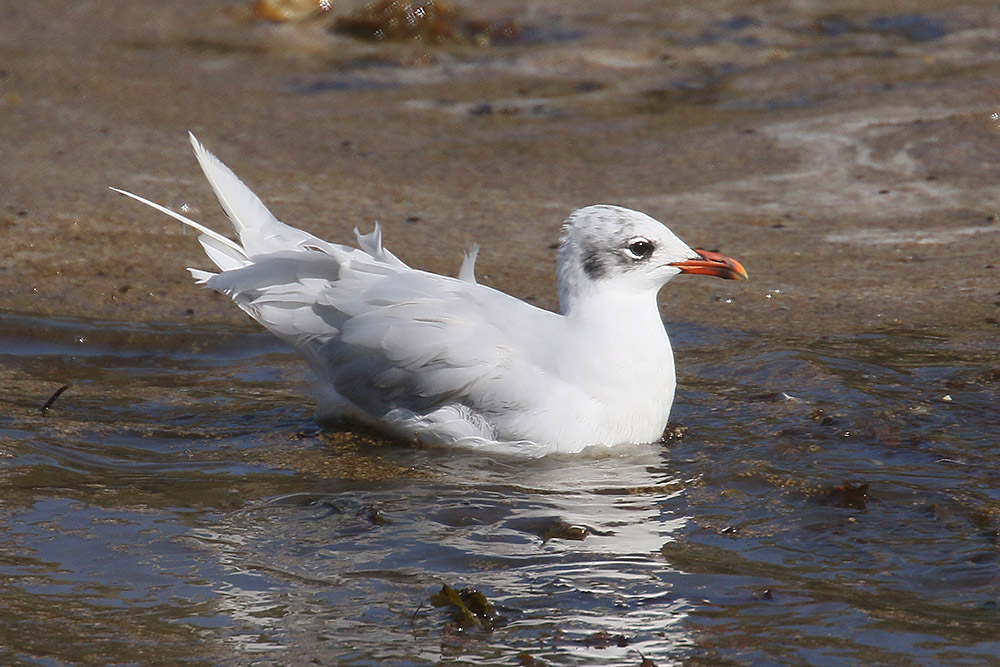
(851,166)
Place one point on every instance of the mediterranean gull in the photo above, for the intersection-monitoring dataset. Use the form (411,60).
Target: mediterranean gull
(442,360)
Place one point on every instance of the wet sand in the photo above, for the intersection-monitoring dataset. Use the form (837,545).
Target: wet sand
(845,153)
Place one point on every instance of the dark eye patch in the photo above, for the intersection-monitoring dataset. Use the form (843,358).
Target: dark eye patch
(640,249)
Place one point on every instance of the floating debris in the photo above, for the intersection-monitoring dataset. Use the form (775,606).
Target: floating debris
(52,399)
(470,608)
(673,431)
(604,639)
(646,662)
(429,21)
(376,517)
(565,531)
(850,496)
(820,417)
(525,659)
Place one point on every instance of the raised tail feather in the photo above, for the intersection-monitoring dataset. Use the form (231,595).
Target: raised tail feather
(259,231)
(272,261)
(277,273)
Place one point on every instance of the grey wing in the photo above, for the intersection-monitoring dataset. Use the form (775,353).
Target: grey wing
(416,340)
(386,336)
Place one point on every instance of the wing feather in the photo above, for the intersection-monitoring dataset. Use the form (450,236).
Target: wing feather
(429,339)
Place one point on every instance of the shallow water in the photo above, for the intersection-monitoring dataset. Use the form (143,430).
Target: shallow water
(176,502)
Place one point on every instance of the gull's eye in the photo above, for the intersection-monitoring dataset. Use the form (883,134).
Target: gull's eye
(639,249)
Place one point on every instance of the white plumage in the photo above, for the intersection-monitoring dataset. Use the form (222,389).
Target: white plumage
(446,360)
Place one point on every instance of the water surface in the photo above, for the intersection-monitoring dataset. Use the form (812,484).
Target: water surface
(176,502)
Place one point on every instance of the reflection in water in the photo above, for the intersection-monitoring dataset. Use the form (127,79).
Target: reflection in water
(178,504)
(569,556)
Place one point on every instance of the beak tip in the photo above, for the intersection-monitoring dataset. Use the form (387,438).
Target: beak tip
(714,264)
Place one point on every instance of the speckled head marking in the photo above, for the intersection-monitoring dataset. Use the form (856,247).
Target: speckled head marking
(603,241)
(603,245)
(609,253)
(594,263)
(631,254)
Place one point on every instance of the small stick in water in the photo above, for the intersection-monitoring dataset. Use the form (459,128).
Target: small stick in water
(52,399)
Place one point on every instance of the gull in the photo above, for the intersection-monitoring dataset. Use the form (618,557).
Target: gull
(441,360)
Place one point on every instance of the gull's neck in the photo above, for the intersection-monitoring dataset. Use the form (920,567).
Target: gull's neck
(619,353)
(628,316)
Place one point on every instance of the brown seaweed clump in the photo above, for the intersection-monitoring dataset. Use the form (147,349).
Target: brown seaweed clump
(281,11)
(429,21)
(469,608)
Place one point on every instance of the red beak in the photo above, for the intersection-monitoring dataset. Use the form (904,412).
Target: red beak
(713,264)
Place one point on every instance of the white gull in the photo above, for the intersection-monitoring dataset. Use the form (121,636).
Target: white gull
(445,360)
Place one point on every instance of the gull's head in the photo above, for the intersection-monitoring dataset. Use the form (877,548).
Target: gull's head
(613,250)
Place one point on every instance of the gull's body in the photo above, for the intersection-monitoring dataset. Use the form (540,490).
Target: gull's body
(446,360)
